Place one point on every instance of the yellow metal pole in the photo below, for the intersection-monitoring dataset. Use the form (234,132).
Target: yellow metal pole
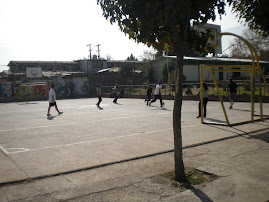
(251,49)
(252,94)
(219,70)
(232,66)
(264,80)
(201,94)
(220,98)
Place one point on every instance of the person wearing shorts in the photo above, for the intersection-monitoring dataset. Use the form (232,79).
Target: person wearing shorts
(52,100)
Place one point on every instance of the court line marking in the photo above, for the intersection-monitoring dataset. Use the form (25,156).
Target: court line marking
(72,123)
(4,150)
(85,142)
(90,141)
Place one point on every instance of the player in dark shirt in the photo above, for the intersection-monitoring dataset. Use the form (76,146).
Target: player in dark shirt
(232,87)
(149,93)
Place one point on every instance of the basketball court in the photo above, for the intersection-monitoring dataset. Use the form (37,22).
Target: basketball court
(34,145)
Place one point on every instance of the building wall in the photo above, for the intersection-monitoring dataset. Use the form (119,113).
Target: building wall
(76,86)
(110,79)
(38,90)
(91,66)
(6,89)
(57,66)
(191,72)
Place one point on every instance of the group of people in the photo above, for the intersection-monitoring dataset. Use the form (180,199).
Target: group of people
(157,95)
(231,88)
(115,94)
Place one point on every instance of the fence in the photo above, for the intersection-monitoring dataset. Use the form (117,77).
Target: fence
(188,89)
(10,91)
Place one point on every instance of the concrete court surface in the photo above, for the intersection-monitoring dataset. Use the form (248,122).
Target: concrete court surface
(84,136)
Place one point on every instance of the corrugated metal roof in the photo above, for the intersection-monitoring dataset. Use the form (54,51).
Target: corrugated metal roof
(41,62)
(218,59)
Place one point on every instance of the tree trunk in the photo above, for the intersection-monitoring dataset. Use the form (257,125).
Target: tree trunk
(179,165)
(180,39)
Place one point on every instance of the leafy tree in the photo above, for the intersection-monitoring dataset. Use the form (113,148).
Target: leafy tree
(160,23)
(132,58)
(159,54)
(254,13)
(150,74)
(148,56)
(127,72)
(108,57)
(260,43)
(148,71)
(168,66)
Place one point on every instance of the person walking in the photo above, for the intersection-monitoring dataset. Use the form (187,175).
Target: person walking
(52,100)
(205,99)
(149,92)
(158,95)
(115,93)
(99,95)
(232,88)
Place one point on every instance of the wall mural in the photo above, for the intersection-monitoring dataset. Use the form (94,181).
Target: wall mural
(6,90)
(35,90)
(71,88)
(39,90)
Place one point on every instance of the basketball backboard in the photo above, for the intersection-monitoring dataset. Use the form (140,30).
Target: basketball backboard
(33,72)
(217,38)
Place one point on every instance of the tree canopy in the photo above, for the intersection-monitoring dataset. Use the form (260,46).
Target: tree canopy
(254,13)
(152,21)
(131,58)
(260,43)
(163,23)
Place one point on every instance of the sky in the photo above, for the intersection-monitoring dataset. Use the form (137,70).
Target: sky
(59,30)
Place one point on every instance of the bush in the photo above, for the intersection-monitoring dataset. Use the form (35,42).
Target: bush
(246,86)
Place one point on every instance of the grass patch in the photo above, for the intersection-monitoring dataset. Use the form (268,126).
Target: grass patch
(196,179)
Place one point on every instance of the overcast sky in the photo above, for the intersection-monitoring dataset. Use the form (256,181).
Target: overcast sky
(60,30)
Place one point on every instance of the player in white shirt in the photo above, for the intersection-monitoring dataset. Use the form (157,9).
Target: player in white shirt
(52,100)
(158,94)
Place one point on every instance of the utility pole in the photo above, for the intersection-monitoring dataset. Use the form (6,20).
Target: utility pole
(98,50)
(90,49)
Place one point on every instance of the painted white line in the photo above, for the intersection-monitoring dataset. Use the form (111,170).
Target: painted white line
(63,124)
(22,150)
(72,123)
(85,142)
(16,129)
(17,150)
(4,150)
